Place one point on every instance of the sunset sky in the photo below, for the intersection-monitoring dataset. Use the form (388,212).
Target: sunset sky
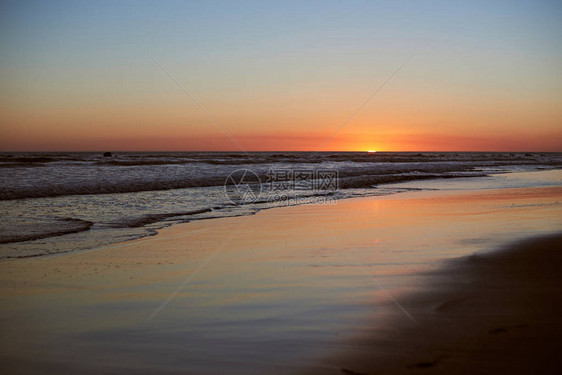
(84,75)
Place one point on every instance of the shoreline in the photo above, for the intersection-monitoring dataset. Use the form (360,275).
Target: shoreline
(272,283)
(406,189)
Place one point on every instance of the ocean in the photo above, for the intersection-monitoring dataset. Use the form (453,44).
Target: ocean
(69,201)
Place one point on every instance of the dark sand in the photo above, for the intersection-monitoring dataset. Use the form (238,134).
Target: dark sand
(495,313)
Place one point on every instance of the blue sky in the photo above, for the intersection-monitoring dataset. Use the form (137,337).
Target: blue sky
(291,63)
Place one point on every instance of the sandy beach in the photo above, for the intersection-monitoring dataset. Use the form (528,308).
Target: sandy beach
(494,313)
(429,281)
(280,187)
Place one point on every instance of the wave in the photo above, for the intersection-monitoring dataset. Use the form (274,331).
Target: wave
(109,188)
(141,221)
(92,174)
(27,160)
(29,231)
(237,158)
(373,181)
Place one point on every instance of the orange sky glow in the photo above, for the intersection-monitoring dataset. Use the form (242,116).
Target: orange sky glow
(478,77)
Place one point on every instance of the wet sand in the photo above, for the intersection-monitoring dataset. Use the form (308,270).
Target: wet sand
(496,313)
(370,285)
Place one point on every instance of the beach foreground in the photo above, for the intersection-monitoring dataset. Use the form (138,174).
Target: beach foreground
(493,313)
(370,285)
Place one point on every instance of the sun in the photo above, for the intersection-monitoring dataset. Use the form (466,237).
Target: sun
(371,151)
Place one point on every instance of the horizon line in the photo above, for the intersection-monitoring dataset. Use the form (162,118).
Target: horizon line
(287,151)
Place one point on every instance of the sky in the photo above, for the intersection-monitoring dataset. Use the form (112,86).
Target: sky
(283,76)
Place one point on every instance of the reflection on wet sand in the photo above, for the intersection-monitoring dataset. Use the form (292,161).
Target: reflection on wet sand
(277,296)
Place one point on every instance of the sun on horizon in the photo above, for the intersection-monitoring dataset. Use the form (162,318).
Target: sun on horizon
(281,77)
